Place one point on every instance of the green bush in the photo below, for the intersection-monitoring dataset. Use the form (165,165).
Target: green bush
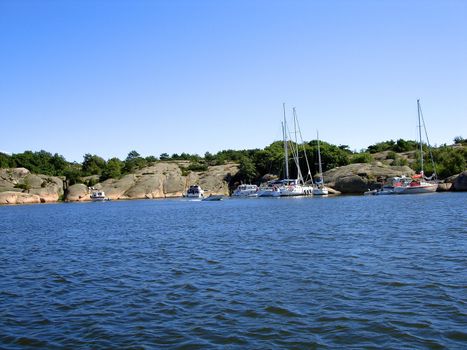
(400,161)
(361,158)
(197,167)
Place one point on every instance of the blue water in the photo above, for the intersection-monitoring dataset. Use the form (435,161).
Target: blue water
(344,272)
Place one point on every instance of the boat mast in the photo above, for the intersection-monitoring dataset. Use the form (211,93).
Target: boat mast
(295,148)
(304,150)
(286,151)
(420,136)
(319,159)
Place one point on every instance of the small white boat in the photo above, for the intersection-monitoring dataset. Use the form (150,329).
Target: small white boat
(320,190)
(271,189)
(195,191)
(98,196)
(370,192)
(246,191)
(389,186)
(214,197)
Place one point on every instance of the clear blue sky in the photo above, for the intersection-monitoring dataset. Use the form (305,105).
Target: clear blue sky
(108,77)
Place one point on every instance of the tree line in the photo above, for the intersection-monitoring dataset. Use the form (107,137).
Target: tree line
(253,163)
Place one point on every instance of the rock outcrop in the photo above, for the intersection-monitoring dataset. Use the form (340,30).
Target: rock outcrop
(21,183)
(13,197)
(460,182)
(162,180)
(359,177)
(78,193)
(444,186)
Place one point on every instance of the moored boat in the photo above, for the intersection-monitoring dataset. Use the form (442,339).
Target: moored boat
(195,191)
(213,197)
(419,183)
(98,196)
(246,191)
(270,189)
(288,187)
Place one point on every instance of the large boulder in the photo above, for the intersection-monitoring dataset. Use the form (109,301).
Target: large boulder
(12,197)
(78,193)
(359,177)
(444,186)
(460,183)
(351,184)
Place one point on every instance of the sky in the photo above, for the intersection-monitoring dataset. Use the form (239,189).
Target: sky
(173,76)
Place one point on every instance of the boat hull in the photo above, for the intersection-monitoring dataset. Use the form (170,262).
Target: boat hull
(269,194)
(425,188)
(320,192)
(295,191)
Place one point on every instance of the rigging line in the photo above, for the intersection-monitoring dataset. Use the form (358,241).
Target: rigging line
(295,149)
(304,150)
(428,141)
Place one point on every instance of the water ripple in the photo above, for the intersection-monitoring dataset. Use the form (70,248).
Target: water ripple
(348,272)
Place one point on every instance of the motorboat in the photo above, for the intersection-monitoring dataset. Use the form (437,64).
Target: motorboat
(246,191)
(270,189)
(195,191)
(213,197)
(98,196)
(389,186)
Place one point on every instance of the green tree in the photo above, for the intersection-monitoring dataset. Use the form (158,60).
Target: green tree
(133,162)
(459,140)
(73,175)
(112,170)
(92,165)
(151,159)
(247,170)
(6,161)
(361,158)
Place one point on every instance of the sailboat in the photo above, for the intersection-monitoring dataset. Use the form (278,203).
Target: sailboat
(319,189)
(419,183)
(287,187)
(292,187)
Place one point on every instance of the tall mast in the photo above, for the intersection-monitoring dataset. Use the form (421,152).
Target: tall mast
(295,148)
(319,159)
(286,151)
(420,135)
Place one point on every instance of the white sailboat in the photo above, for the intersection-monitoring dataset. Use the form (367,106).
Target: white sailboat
(419,183)
(319,189)
(292,187)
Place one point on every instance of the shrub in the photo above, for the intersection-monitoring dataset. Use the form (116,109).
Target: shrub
(361,158)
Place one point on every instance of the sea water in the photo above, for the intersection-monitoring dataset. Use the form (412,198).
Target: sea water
(342,272)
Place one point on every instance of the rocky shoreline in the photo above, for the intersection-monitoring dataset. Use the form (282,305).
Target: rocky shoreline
(168,180)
